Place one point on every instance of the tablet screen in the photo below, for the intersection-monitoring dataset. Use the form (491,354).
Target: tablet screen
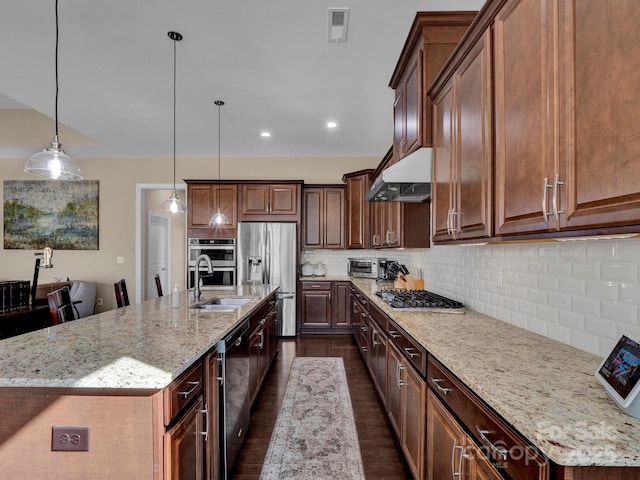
(621,369)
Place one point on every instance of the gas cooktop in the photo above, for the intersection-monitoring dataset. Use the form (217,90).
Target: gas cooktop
(419,300)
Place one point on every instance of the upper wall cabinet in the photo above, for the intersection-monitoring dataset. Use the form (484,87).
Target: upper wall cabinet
(462,154)
(270,202)
(432,38)
(566,149)
(323,224)
(358,210)
(203,200)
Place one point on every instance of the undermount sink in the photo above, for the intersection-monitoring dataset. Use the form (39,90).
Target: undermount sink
(224,304)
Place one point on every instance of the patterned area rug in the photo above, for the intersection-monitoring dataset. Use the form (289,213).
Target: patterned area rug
(315,434)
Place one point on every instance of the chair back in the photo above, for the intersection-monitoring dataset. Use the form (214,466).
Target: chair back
(122,297)
(60,306)
(158,284)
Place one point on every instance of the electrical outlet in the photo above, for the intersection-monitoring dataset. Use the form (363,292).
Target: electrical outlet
(69,439)
(99,302)
(119,260)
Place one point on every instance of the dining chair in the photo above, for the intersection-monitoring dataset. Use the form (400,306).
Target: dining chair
(122,297)
(61,306)
(158,284)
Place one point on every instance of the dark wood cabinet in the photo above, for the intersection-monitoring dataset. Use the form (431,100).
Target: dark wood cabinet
(431,39)
(463,174)
(263,327)
(203,200)
(185,446)
(316,306)
(323,223)
(358,210)
(267,202)
(325,307)
(212,389)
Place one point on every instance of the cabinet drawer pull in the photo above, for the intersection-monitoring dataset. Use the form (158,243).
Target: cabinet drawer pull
(410,352)
(394,334)
(498,450)
(193,389)
(364,328)
(442,389)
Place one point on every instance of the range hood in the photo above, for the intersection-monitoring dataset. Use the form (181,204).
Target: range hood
(408,180)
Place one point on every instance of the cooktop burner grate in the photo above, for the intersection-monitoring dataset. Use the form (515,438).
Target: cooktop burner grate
(419,300)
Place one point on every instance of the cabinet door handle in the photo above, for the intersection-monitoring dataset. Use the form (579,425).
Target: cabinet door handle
(545,186)
(399,382)
(449,221)
(554,200)
(456,473)
(498,450)
(393,334)
(193,389)
(205,432)
(442,389)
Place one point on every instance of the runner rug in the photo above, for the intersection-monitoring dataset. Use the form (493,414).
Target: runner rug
(315,434)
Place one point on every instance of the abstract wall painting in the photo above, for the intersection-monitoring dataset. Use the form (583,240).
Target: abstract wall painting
(59,214)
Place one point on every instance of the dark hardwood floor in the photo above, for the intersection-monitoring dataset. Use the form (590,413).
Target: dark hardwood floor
(381,454)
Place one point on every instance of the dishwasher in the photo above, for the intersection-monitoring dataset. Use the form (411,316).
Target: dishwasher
(234,402)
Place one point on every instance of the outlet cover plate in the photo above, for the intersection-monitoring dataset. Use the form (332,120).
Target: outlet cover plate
(65,438)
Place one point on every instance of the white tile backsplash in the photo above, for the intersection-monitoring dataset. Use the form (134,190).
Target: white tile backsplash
(585,293)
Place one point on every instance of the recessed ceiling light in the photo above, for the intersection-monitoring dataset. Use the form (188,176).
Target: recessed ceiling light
(265,134)
(332,124)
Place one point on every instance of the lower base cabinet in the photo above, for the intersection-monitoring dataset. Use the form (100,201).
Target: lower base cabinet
(186,445)
(325,307)
(450,451)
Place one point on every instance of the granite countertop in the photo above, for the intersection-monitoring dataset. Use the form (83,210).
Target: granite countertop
(142,346)
(325,278)
(547,390)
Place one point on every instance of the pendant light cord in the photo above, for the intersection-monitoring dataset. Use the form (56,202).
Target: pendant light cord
(56,70)
(219,103)
(174,115)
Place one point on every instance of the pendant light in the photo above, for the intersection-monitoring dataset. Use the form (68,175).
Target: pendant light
(218,218)
(174,204)
(52,162)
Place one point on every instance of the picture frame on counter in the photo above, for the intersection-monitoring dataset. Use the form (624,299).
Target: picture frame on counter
(619,373)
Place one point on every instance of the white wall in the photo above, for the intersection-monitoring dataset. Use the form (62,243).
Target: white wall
(582,293)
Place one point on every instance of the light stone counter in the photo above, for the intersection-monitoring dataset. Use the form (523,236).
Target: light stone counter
(142,346)
(545,389)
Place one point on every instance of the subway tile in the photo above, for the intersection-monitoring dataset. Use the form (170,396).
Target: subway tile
(560,268)
(559,333)
(528,250)
(620,312)
(573,286)
(559,300)
(585,341)
(574,321)
(619,272)
(629,249)
(550,315)
(600,250)
(573,250)
(606,345)
(631,331)
(537,296)
(519,319)
(537,325)
(503,314)
(601,327)
(528,280)
(587,270)
(602,290)
(629,292)
(549,283)
(509,277)
(585,305)
(527,308)
(519,292)
(539,266)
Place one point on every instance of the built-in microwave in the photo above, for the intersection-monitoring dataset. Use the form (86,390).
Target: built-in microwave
(367,267)
(222,253)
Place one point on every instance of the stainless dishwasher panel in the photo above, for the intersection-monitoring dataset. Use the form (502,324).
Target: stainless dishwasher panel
(234,395)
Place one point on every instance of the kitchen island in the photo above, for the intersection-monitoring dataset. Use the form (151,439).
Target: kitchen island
(544,389)
(111,373)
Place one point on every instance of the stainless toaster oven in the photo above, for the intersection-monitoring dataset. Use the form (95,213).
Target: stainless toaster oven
(366,267)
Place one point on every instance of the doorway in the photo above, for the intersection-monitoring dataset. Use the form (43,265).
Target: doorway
(158,247)
(149,197)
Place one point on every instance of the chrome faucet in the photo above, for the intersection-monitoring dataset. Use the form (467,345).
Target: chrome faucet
(196,288)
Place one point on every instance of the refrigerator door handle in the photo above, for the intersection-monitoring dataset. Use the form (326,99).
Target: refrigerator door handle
(267,263)
(285,295)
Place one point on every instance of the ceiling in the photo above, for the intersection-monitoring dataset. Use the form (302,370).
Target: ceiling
(270,61)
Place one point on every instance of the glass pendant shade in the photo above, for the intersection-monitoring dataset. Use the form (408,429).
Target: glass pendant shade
(174,204)
(218,218)
(53,163)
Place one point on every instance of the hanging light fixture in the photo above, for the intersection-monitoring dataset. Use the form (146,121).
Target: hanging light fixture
(174,204)
(218,218)
(52,162)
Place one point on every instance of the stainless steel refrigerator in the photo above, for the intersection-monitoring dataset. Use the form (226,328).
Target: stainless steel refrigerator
(267,255)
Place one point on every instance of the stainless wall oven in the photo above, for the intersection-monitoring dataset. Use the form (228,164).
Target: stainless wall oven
(222,253)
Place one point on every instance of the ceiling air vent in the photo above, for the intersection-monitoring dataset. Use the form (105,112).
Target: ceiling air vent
(338,22)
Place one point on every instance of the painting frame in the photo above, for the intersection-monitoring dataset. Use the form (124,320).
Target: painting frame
(61,214)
